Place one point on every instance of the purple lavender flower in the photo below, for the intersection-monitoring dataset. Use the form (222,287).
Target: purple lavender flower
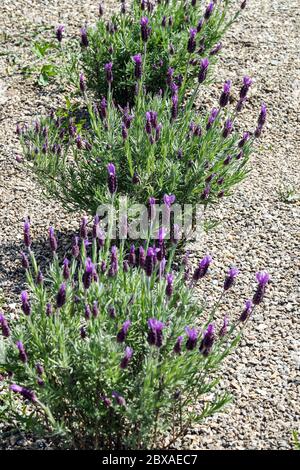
(178,345)
(230,278)
(52,240)
(212,117)
(25,303)
(84,37)
(169,287)
(101,11)
(39,369)
(128,355)
(224,327)
(82,332)
(112,179)
(113,269)
(124,131)
(132,257)
(25,392)
(39,278)
(103,108)
(108,71)
(119,399)
(262,278)
(149,262)
(174,108)
(27,239)
(138,71)
(263,115)
(95,309)
(59,32)
(145,28)
(208,340)
(75,248)
(169,79)
(228,128)
(200,24)
(82,83)
(155,336)
(205,193)
(192,41)
(247,82)
(169,199)
(170,21)
(142,257)
(121,336)
(192,335)
(61,296)
(164,21)
(216,49)
(4,326)
(203,70)
(22,353)
(247,311)
(48,310)
(240,104)
(209,10)
(25,262)
(88,274)
(106,401)
(244,139)
(87,312)
(224,99)
(202,268)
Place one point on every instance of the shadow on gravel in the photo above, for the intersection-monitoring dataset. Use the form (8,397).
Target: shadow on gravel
(12,274)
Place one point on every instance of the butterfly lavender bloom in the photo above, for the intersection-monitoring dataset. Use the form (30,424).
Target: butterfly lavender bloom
(208,340)
(27,239)
(170,73)
(149,262)
(155,336)
(174,108)
(103,108)
(22,353)
(262,278)
(59,32)
(119,399)
(202,268)
(87,277)
(132,256)
(83,231)
(263,115)
(216,49)
(247,82)
(75,248)
(108,71)
(82,85)
(209,10)
(142,257)
(228,128)
(192,41)
(224,327)
(192,335)
(84,37)
(127,357)
(205,193)
(203,70)
(121,336)
(61,296)
(169,199)
(244,139)
(39,369)
(178,345)
(25,262)
(52,240)
(82,332)
(48,310)
(25,392)
(145,28)
(25,303)
(224,99)
(212,117)
(112,179)
(230,278)
(169,287)
(247,311)
(4,326)
(138,71)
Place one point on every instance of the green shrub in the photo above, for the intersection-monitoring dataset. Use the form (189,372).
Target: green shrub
(111,349)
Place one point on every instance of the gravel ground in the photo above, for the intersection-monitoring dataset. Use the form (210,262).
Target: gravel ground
(260,222)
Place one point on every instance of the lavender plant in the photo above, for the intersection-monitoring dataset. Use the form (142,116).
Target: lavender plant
(111,350)
(160,146)
(173,33)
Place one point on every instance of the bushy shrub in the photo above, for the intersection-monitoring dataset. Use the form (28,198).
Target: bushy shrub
(160,146)
(111,350)
(175,34)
